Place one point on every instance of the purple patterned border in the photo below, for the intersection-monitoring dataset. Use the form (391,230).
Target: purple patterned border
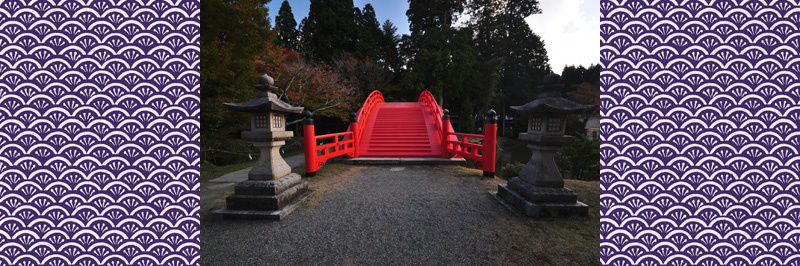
(701,108)
(99,133)
(99,127)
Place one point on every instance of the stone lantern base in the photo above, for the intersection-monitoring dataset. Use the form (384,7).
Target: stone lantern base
(539,189)
(271,191)
(266,199)
(537,202)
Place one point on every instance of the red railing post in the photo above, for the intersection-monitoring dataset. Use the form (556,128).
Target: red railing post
(309,144)
(490,144)
(445,127)
(356,135)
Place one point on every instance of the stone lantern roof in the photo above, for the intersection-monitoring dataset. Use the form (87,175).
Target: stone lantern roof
(550,100)
(266,100)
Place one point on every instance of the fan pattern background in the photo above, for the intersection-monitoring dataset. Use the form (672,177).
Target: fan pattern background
(99,128)
(99,133)
(701,107)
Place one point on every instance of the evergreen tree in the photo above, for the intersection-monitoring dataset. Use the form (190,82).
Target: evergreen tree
(525,64)
(288,35)
(461,81)
(580,74)
(330,29)
(579,78)
(444,60)
(230,41)
(503,35)
(438,14)
(593,74)
(431,30)
(389,43)
(369,34)
(302,44)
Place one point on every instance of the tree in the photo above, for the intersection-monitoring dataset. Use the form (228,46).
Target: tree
(329,29)
(229,41)
(369,34)
(319,88)
(389,45)
(461,81)
(573,76)
(585,93)
(439,14)
(580,160)
(583,86)
(444,60)
(425,49)
(503,35)
(525,64)
(288,35)
(365,74)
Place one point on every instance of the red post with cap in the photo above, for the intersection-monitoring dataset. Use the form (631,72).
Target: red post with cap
(445,130)
(490,144)
(356,137)
(309,144)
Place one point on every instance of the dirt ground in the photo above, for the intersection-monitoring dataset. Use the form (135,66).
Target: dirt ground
(400,215)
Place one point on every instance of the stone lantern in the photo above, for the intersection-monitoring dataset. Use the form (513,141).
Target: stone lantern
(539,189)
(271,190)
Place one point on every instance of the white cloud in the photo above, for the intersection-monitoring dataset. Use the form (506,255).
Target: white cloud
(571,35)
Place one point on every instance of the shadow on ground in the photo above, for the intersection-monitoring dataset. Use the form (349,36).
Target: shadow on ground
(397,215)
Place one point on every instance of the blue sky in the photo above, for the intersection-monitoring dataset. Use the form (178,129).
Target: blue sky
(394,10)
(570,28)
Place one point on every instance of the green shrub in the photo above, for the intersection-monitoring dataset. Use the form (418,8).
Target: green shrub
(580,160)
(511,169)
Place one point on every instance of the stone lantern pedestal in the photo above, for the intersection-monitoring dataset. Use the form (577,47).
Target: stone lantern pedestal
(539,189)
(271,190)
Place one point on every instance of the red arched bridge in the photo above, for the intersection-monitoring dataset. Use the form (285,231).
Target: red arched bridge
(401,129)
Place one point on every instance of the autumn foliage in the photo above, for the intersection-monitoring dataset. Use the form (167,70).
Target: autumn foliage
(585,93)
(321,88)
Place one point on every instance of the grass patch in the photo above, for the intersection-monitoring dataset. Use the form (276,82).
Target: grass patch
(512,155)
(559,241)
(509,170)
(209,171)
(579,160)
(543,241)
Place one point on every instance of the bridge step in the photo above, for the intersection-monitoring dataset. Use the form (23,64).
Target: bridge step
(395,154)
(399,130)
(425,146)
(405,141)
(400,135)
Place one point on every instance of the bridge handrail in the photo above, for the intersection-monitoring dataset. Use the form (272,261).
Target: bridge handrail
(366,110)
(467,135)
(317,154)
(482,154)
(347,133)
(426,98)
(340,147)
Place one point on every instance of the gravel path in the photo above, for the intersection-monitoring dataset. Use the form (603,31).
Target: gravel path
(369,215)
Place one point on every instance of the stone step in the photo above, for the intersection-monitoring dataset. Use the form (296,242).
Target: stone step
(538,209)
(267,187)
(266,202)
